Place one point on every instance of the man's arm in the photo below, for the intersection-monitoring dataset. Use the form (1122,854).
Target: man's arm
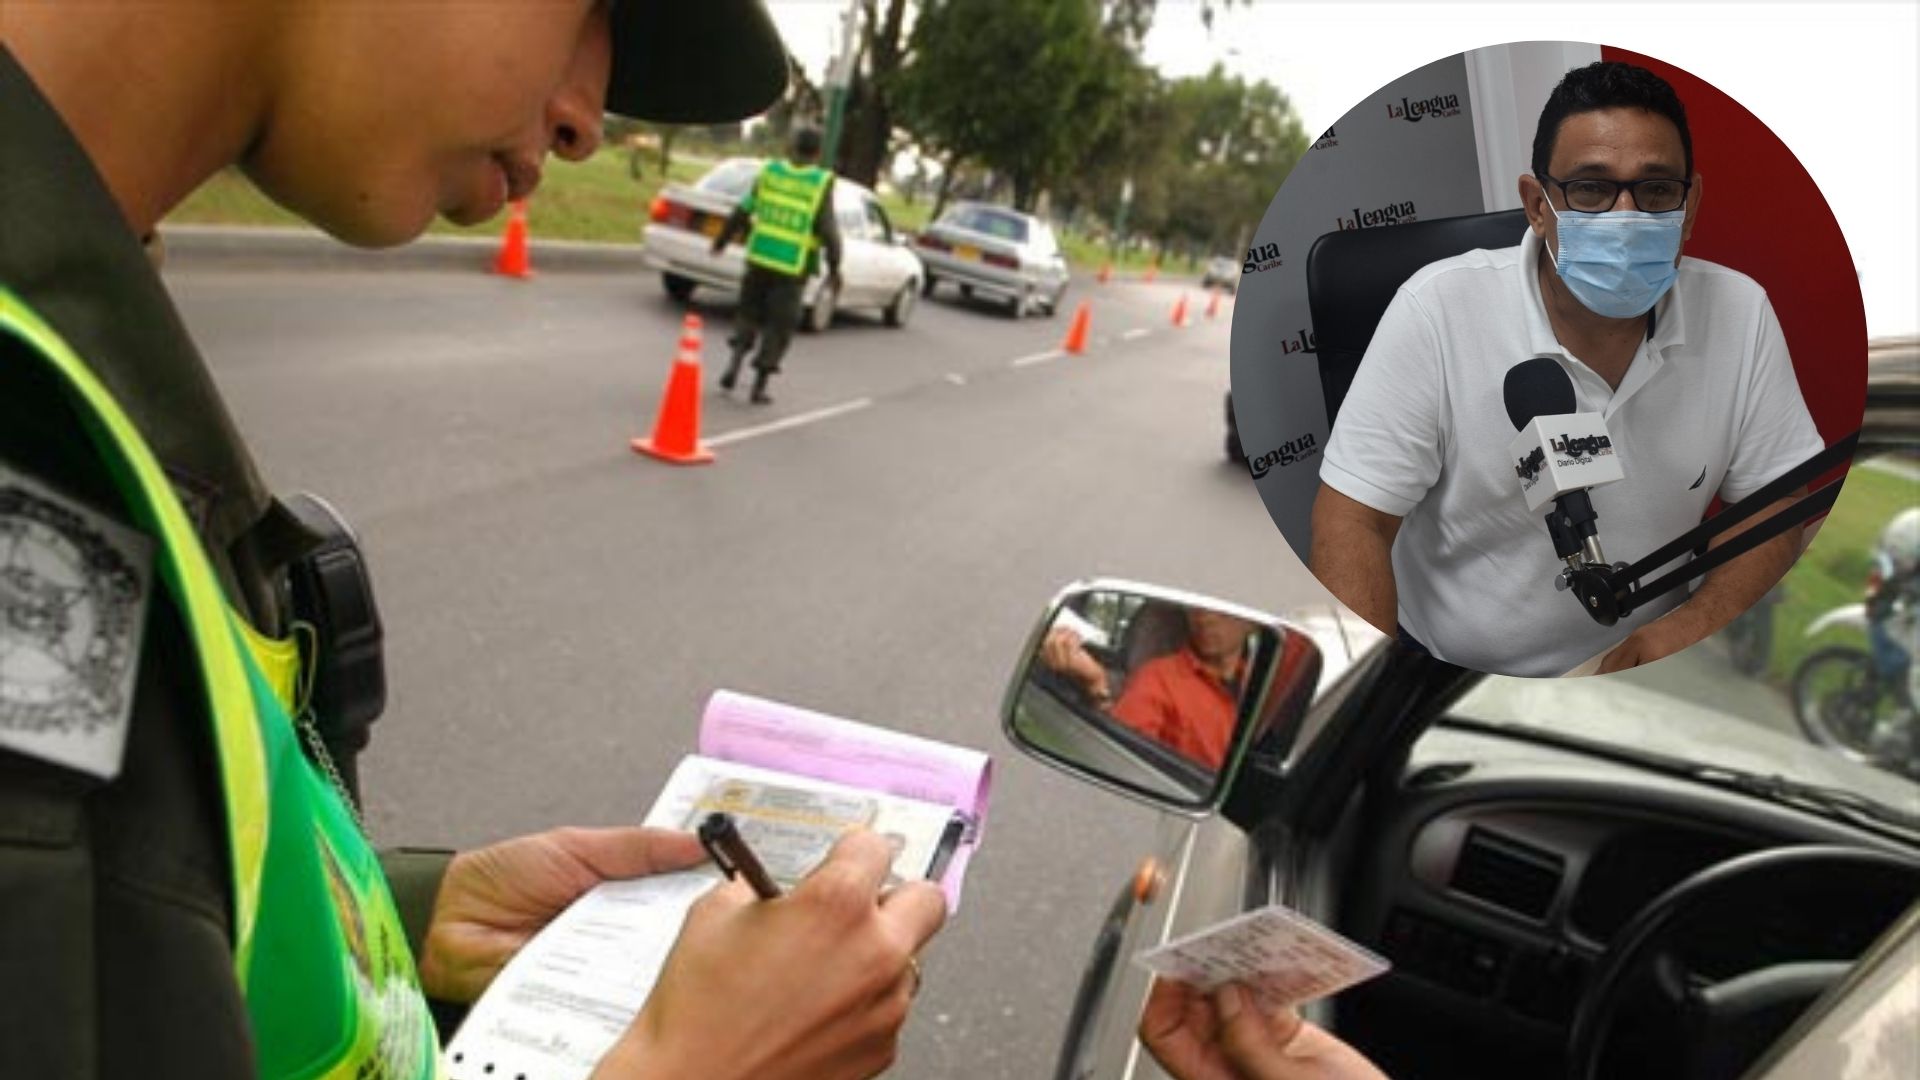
(1352,555)
(736,226)
(826,227)
(1723,595)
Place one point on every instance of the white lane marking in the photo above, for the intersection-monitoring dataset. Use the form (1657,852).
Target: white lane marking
(1135,333)
(1037,358)
(956,378)
(813,417)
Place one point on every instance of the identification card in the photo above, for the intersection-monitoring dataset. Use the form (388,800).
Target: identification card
(1281,955)
(791,829)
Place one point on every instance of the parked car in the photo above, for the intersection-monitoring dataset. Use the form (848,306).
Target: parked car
(877,271)
(996,252)
(1645,874)
(1223,272)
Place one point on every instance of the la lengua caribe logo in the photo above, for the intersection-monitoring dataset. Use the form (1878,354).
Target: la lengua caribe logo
(1390,214)
(1417,110)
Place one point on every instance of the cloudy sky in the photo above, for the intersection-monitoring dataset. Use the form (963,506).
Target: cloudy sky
(1835,81)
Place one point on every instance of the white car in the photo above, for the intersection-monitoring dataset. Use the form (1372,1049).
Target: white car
(997,252)
(876,272)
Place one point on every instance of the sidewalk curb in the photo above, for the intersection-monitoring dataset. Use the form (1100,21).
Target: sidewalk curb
(288,248)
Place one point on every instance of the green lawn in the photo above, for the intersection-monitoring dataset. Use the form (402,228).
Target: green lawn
(1834,570)
(594,200)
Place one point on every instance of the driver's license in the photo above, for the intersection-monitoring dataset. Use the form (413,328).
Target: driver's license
(1281,955)
(791,829)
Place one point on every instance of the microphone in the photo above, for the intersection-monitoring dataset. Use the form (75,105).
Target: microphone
(1559,455)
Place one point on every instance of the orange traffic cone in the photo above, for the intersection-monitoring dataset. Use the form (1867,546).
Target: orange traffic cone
(1180,311)
(1106,272)
(676,431)
(1213,302)
(1076,342)
(512,260)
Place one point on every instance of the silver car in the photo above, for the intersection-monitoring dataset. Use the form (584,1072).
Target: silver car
(877,272)
(996,252)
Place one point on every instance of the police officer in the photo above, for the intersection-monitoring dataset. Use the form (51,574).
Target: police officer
(790,207)
(184,890)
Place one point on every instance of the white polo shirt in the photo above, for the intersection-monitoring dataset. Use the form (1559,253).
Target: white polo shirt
(1710,405)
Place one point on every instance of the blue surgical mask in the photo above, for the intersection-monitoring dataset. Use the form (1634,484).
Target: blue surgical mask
(1620,263)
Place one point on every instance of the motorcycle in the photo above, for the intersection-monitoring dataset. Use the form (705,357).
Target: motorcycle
(1843,700)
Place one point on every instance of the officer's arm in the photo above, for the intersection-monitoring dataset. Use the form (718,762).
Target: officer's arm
(736,226)
(827,228)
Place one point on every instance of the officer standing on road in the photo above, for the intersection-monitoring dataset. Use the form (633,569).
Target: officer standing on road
(184,889)
(790,207)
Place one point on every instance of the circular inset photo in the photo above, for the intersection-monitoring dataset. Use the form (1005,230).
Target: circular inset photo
(1545,356)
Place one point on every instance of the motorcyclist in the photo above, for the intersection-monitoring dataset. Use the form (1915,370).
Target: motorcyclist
(1893,597)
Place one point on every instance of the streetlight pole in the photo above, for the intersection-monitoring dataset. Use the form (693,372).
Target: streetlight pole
(839,78)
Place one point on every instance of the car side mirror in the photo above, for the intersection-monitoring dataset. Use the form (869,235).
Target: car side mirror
(1157,694)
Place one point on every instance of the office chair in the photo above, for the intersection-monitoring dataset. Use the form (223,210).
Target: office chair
(1353,274)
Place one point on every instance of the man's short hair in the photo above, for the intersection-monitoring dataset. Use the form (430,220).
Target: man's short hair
(806,142)
(1607,84)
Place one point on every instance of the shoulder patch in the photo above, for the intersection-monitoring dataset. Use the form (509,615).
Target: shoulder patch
(74,588)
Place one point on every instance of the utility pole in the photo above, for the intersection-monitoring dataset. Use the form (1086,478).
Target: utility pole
(1120,219)
(839,77)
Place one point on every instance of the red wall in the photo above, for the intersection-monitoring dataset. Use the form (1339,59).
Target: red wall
(1761,214)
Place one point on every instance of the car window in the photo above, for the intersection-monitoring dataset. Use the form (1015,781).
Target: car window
(877,223)
(985,219)
(853,221)
(731,178)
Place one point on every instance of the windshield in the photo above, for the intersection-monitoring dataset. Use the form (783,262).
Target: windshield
(1814,683)
(731,177)
(981,219)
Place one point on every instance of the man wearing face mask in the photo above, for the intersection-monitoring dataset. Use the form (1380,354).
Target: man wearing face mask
(1419,525)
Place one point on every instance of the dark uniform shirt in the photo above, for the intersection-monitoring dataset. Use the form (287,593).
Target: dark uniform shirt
(115,952)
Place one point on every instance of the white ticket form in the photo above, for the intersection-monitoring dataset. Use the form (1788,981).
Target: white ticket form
(1281,955)
(567,996)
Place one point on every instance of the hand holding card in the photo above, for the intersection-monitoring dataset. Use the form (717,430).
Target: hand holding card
(1283,957)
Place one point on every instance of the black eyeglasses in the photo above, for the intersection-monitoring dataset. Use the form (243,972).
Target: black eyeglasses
(1658,196)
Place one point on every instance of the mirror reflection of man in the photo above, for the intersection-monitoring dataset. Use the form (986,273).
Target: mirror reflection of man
(1684,360)
(1187,700)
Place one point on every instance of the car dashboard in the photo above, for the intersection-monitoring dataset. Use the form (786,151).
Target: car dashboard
(1495,872)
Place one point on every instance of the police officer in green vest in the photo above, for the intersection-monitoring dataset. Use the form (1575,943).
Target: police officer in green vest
(790,207)
(184,888)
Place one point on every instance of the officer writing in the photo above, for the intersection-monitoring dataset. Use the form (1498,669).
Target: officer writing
(185,891)
(790,209)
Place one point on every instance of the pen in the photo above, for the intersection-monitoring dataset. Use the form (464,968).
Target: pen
(949,842)
(730,853)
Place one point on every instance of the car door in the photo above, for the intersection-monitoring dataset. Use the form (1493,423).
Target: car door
(894,265)
(857,248)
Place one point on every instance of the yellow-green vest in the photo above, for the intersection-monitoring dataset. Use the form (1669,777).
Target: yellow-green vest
(784,202)
(318,948)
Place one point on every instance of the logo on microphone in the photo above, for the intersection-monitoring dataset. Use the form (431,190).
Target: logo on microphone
(1528,470)
(1305,342)
(1289,453)
(1581,449)
(1415,111)
(1264,257)
(1390,214)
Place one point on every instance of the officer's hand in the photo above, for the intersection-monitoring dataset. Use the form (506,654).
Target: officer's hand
(493,900)
(1226,1037)
(833,280)
(812,986)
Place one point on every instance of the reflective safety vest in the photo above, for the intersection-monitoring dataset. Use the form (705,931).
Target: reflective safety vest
(318,947)
(784,202)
